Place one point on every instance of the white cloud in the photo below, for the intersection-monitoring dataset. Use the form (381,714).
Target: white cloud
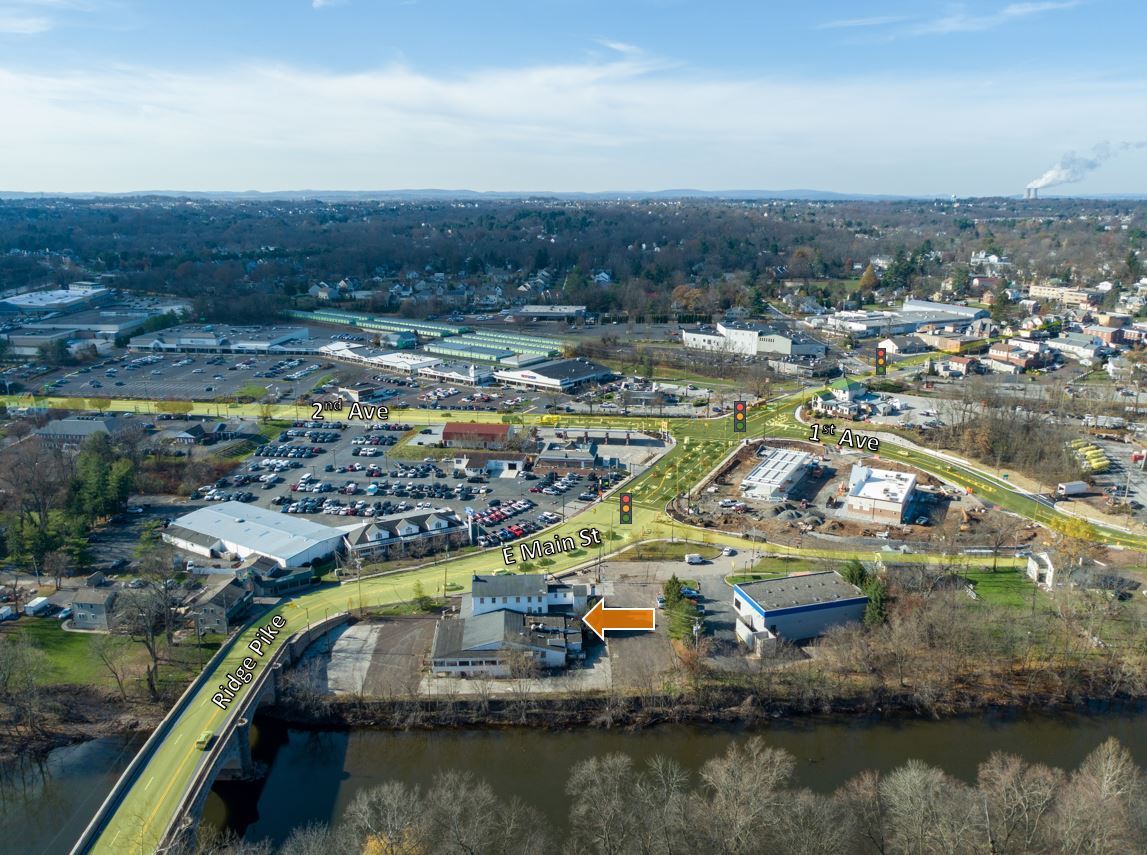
(23,25)
(626,122)
(958,20)
(854,23)
(32,17)
(961,22)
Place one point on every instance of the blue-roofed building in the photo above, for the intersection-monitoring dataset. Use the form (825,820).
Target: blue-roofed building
(794,608)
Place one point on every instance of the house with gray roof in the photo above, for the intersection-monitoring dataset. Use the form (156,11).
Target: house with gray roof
(530,593)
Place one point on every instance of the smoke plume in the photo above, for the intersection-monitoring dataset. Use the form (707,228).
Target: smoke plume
(1073,167)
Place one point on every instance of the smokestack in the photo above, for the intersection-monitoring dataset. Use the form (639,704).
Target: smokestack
(1035,192)
(1027,192)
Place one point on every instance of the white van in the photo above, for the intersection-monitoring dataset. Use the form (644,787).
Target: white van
(694,558)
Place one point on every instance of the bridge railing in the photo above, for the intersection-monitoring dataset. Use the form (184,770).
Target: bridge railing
(129,776)
(205,774)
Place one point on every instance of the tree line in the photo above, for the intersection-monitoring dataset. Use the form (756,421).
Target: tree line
(747,801)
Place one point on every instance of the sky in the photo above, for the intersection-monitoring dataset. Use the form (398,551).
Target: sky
(885,97)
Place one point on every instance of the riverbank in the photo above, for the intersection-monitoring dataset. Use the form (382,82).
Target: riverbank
(719,706)
(76,714)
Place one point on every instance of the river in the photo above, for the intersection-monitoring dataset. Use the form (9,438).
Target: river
(314,775)
(45,804)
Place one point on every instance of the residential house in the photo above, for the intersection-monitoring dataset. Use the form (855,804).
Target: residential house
(220,606)
(92,609)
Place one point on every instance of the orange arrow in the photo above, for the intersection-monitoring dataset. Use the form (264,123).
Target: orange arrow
(599,619)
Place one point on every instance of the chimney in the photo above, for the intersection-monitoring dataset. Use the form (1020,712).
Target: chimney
(1035,192)
(1027,192)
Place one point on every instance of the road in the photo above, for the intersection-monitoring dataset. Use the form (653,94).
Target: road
(150,806)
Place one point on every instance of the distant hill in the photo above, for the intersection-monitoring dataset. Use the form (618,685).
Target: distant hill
(438,195)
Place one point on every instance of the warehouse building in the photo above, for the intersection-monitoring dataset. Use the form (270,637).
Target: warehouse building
(779,471)
(70,298)
(502,643)
(239,531)
(561,375)
(550,313)
(879,495)
(220,338)
(747,339)
(794,608)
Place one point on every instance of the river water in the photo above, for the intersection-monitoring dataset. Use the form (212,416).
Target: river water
(314,775)
(45,804)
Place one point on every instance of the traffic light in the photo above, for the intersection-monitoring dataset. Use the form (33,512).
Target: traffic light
(740,425)
(626,509)
(881,360)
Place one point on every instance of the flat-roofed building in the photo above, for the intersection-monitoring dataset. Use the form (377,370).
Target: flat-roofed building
(879,495)
(235,529)
(779,471)
(550,313)
(794,608)
(221,338)
(561,375)
(68,299)
(501,643)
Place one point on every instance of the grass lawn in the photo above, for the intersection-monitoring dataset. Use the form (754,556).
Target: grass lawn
(71,659)
(1008,586)
(772,567)
(663,551)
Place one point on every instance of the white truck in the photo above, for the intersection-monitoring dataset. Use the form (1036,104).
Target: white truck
(1071,488)
(694,558)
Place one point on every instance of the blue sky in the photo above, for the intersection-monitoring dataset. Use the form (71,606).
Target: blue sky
(881,97)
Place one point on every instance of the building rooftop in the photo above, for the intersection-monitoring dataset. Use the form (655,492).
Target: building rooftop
(510,585)
(82,426)
(568,369)
(261,530)
(801,590)
(880,484)
(491,631)
(460,429)
(776,469)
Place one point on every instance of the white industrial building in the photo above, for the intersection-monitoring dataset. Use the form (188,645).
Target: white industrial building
(794,608)
(561,375)
(240,531)
(529,593)
(879,495)
(779,471)
(745,339)
(221,338)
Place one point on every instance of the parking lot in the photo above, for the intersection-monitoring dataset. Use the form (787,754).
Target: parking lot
(330,474)
(195,377)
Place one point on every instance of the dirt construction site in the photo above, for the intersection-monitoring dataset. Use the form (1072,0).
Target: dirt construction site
(814,510)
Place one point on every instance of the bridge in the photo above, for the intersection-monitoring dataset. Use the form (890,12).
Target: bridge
(179,803)
(158,796)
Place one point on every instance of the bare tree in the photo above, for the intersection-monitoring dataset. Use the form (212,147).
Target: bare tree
(112,652)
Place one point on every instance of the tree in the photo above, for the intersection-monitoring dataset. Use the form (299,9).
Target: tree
(868,279)
(854,573)
(112,651)
(876,612)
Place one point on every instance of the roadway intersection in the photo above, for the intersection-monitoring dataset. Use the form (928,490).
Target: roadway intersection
(149,806)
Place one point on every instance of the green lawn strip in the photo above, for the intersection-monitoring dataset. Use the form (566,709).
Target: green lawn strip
(663,551)
(1006,587)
